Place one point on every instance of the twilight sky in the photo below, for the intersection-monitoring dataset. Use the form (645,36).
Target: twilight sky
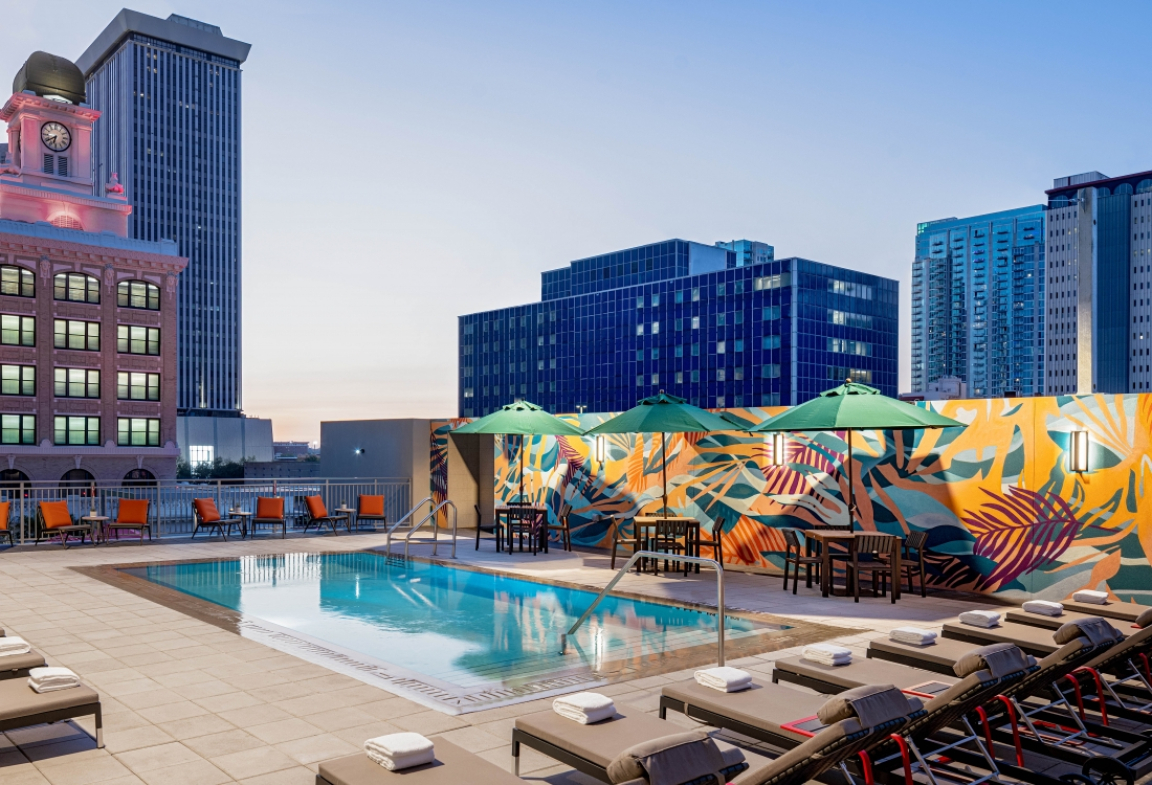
(405,163)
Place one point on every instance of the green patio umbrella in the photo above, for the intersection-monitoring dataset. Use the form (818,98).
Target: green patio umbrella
(854,407)
(524,419)
(664,414)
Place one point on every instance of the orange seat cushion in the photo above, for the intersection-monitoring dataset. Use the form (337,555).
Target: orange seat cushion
(133,511)
(206,509)
(4,507)
(55,514)
(316,506)
(269,507)
(371,505)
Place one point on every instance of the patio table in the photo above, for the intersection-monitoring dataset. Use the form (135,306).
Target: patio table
(847,538)
(645,528)
(519,518)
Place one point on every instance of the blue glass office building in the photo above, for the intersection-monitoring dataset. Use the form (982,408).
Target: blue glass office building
(169,91)
(708,323)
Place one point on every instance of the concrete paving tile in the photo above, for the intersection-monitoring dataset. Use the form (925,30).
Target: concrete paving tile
(429,722)
(197,772)
(172,711)
(338,719)
(84,772)
(474,739)
(250,763)
(226,743)
(134,738)
(283,730)
(157,757)
(298,775)
(228,702)
(312,749)
(191,727)
(260,714)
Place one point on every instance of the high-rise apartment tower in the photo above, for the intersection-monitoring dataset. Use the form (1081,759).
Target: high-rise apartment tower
(169,91)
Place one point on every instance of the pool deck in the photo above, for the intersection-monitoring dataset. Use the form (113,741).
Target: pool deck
(188,702)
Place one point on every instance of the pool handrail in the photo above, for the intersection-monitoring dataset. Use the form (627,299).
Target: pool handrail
(716,565)
(389,529)
(435,529)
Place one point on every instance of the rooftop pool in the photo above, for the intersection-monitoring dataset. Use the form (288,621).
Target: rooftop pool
(455,639)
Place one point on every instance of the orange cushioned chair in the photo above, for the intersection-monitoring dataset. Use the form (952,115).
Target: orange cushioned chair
(204,513)
(57,522)
(270,512)
(318,515)
(5,527)
(132,515)
(370,508)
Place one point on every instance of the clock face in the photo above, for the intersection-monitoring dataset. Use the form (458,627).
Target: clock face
(55,137)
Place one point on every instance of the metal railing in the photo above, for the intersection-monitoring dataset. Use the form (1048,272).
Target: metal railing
(434,517)
(669,557)
(170,508)
(389,529)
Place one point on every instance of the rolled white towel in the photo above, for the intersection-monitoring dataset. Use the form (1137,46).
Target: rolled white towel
(1091,597)
(584,707)
(13,645)
(52,679)
(980,618)
(827,654)
(1044,608)
(913,635)
(724,679)
(400,750)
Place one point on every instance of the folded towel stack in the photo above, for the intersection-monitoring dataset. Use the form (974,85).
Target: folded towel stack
(13,645)
(1091,597)
(913,635)
(1044,608)
(584,707)
(827,654)
(400,751)
(724,679)
(980,618)
(52,679)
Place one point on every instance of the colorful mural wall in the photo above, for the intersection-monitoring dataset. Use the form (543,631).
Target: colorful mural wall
(1002,511)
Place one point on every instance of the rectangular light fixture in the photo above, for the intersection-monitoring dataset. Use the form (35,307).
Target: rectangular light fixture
(600,449)
(1078,451)
(778,449)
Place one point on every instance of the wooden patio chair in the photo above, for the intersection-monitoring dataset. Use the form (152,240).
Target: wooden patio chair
(132,515)
(912,559)
(493,528)
(871,556)
(561,526)
(619,539)
(794,555)
(206,516)
(716,542)
(56,521)
(671,537)
(270,513)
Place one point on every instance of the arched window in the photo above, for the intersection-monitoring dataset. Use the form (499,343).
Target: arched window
(1102,191)
(10,480)
(1124,189)
(77,287)
(1144,186)
(138,294)
(17,281)
(77,482)
(139,478)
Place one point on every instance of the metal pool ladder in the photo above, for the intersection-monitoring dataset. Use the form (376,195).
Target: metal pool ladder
(655,555)
(431,516)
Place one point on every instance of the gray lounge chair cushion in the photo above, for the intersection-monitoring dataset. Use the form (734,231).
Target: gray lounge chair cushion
(858,673)
(1000,659)
(20,662)
(598,742)
(1095,629)
(18,700)
(453,766)
(678,759)
(1142,621)
(872,705)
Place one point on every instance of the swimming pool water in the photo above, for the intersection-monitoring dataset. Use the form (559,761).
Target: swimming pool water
(456,626)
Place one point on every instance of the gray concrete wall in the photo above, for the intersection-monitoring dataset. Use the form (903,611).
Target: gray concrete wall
(387,448)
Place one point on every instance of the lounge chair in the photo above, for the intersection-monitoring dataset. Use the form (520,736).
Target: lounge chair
(371,509)
(21,706)
(1124,611)
(205,515)
(318,516)
(453,766)
(1037,641)
(812,747)
(132,515)
(17,665)
(6,525)
(270,513)
(56,521)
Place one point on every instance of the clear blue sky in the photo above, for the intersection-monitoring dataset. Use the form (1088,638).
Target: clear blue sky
(408,162)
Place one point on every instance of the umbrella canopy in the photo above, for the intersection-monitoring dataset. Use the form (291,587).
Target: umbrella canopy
(854,407)
(521,418)
(664,414)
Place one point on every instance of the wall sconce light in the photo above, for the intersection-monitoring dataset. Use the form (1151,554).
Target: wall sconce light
(1078,451)
(359,451)
(600,449)
(778,449)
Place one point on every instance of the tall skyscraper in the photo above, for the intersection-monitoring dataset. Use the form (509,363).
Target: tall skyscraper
(699,321)
(169,91)
(1099,309)
(978,302)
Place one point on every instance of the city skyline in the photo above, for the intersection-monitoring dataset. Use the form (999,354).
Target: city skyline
(504,140)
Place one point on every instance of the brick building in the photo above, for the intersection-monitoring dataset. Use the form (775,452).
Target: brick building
(87,314)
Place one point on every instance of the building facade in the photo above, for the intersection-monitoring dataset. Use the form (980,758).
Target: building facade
(1099,305)
(88,325)
(170,93)
(978,303)
(686,318)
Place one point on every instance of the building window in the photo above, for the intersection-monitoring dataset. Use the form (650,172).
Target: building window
(76,287)
(138,478)
(771,342)
(137,340)
(141,432)
(720,347)
(77,383)
(655,328)
(77,430)
(695,322)
(739,345)
(17,379)
(17,281)
(17,428)
(843,346)
(639,329)
(71,334)
(17,330)
(772,312)
(140,294)
(696,294)
(770,371)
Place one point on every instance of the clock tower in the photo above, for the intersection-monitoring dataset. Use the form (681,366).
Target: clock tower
(46,176)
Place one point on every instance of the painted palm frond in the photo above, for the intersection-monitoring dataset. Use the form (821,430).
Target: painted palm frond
(1021,531)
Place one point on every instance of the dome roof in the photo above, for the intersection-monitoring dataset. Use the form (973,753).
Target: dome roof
(49,75)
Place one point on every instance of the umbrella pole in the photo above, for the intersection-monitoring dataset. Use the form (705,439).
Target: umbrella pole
(521,467)
(664,467)
(851,489)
